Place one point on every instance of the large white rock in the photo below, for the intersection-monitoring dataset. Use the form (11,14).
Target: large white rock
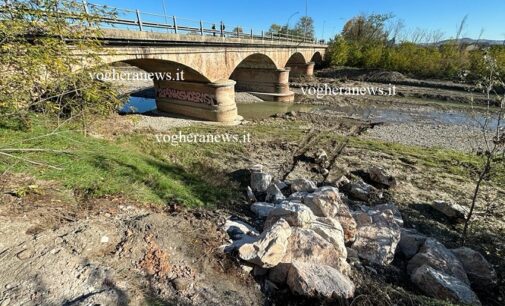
(439,285)
(308,246)
(296,214)
(315,280)
(436,255)
(377,241)
(478,269)
(269,248)
(331,230)
(324,202)
(377,244)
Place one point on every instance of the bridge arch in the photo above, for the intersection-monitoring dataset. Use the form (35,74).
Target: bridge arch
(296,58)
(317,59)
(166,66)
(259,75)
(255,61)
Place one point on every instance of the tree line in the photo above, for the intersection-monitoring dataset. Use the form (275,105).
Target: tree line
(378,41)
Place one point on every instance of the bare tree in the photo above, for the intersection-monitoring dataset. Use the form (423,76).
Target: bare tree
(493,131)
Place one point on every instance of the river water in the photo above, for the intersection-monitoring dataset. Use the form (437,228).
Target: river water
(377,112)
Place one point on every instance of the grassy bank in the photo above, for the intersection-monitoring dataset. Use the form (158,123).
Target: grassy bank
(134,165)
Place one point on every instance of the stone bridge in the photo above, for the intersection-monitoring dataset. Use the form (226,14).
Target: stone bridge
(214,67)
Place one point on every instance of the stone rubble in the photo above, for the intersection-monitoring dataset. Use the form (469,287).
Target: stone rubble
(311,237)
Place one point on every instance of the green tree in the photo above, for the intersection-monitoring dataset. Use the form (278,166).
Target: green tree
(305,27)
(370,29)
(39,41)
(339,51)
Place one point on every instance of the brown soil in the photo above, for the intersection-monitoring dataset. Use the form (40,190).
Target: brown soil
(112,252)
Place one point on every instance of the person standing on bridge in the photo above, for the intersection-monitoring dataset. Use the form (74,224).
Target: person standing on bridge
(213,29)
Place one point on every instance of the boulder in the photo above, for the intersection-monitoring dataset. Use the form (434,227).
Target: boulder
(236,229)
(361,218)
(377,241)
(296,214)
(260,181)
(274,194)
(436,255)
(439,285)
(262,209)
(347,222)
(324,202)
(331,230)
(236,244)
(297,196)
(377,244)
(308,246)
(391,208)
(269,248)
(410,242)
(380,176)
(479,271)
(303,185)
(451,210)
(319,281)
(360,190)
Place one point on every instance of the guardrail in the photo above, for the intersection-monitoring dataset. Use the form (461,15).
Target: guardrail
(143,21)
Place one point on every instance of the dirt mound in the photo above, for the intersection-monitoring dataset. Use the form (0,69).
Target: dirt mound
(384,77)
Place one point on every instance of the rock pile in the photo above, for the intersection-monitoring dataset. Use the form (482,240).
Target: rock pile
(308,232)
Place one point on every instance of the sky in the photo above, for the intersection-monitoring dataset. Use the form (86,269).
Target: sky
(330,15)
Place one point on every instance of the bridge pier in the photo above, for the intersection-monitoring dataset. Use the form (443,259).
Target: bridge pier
(301,70)
(266,83)
(208,101)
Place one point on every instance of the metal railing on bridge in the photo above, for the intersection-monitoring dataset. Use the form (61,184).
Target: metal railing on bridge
(145,21)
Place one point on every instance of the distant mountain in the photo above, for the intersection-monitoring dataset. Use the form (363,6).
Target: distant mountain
(471,41)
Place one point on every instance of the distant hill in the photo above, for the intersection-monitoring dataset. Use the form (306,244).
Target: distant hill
(471,41)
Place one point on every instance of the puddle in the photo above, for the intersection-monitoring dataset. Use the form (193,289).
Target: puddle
(138,105)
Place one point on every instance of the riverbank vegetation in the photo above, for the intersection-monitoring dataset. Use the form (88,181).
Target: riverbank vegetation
(377,42)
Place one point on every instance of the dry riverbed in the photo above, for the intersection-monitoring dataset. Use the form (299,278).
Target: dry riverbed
(61,248)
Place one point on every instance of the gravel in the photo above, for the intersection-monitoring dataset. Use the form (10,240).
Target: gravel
(244,98)
(455,137)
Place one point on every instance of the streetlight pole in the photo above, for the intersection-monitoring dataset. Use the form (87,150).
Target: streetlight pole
(306,14)
(289,19)
(324,24)
(165,13)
